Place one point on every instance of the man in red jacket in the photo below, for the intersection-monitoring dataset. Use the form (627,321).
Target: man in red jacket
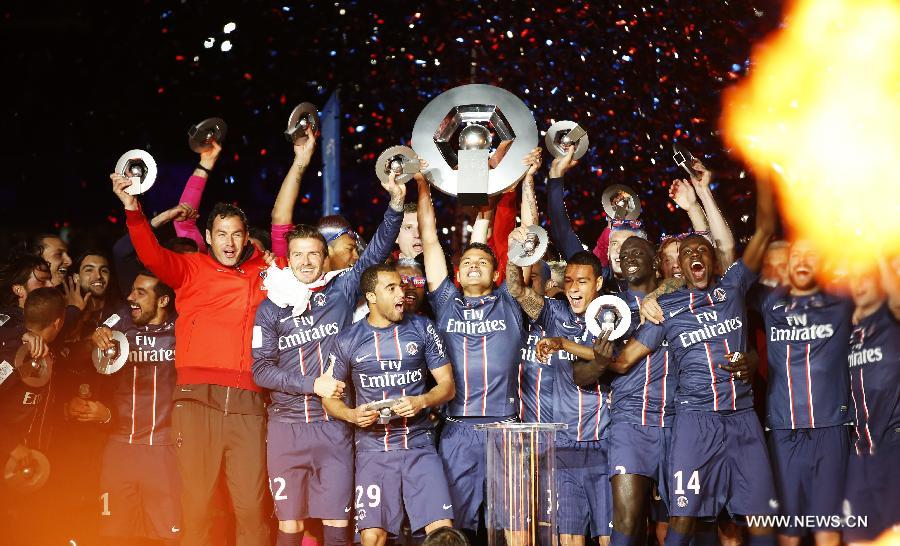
(219,414)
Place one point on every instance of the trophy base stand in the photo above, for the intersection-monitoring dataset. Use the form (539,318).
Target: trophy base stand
(472,199)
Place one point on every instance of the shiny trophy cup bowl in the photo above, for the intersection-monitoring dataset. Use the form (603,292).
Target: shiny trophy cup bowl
(621,203)
(399,159)
(140,167)
(383,407)
(29,475)
(201,135)
(608,314)
(304,116)
(474,138)
(564,134)
(532,249)
(112,359)
(34,372)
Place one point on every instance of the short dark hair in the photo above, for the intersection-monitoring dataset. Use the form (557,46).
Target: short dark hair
(635,240)
(43,306)
(160,288)
(583,257)
(176,242)
(224,210)
(17,270)
(446,536)
(484,248)
(35,243)
(92,252)
(305,231)
(370,277)
(410,207)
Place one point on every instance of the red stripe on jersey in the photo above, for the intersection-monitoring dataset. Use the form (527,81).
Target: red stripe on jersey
(537,391)
(712,378)
(646,388)
(521,399)
(153,411)
(599,410)
(321,371)
(662,407)
(733,390)
(691,302)
(580,412)
(787,368)
(377,345)
(397,343)
(465,376)
(133,401)
(709,298)
(484,367)
(809,397)
(387,426)
(305,396)
(856,420)
(862,390)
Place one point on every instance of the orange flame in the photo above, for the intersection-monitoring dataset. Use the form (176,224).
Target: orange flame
(821,107)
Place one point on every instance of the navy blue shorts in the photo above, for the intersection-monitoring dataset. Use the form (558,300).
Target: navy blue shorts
(462,450)
(873,491)
(719,461)
(140,492)
(643,450)
(583,490)
(805,464)
(310,469)
(389,483)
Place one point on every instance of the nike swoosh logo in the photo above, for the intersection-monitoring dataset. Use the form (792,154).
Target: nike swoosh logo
(777,305)
(363,357)
(346,509)
(447,506)
(175,529)
(675,312)
(186,390)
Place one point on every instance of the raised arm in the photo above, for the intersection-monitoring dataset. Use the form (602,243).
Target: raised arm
(561,232)
(283,209)
(891,286)
(528,299)
(171,268)
(718,226)
(435,264)
(765,223)
(193,193)
(682,192)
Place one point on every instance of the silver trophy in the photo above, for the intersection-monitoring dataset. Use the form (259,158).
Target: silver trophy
(302,117)
(684,158)
(532,249)
(140,167)
(474,138)
(114,357)
(608,314)
(399,159)
(621,203)
(383,407)
(562,135)
(201,135)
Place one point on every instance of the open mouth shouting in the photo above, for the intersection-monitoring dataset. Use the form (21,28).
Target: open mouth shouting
(135,310)
(698,271)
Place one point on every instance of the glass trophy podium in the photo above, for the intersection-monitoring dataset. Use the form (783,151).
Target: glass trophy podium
(520,502)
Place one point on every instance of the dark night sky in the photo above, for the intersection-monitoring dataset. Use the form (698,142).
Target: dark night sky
(84,83)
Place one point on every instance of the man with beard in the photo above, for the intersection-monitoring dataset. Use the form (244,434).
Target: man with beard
(93,276)
(139,480)
(873,483)
(388,356)
(309,454)
(483,328)
(808,394)
(219,411)
(642,408)
(718,457)
(412,280)
(581,453)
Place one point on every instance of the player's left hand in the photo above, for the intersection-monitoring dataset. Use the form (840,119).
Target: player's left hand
(743,367)
(408,406)
(90,411)
(547,346)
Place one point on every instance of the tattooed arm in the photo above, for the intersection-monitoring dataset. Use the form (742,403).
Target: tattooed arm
(650,309)
(528,299)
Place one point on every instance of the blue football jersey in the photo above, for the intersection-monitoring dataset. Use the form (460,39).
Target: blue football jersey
(702,326)
(645,394)
(805,340)
(389,363)
(874,362)
(535,381)
(483,336)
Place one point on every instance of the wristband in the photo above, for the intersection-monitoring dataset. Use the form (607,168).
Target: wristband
(204,169)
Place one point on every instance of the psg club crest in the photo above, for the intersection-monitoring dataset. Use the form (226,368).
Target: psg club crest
(319,299)
(719,294)
(412,348)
